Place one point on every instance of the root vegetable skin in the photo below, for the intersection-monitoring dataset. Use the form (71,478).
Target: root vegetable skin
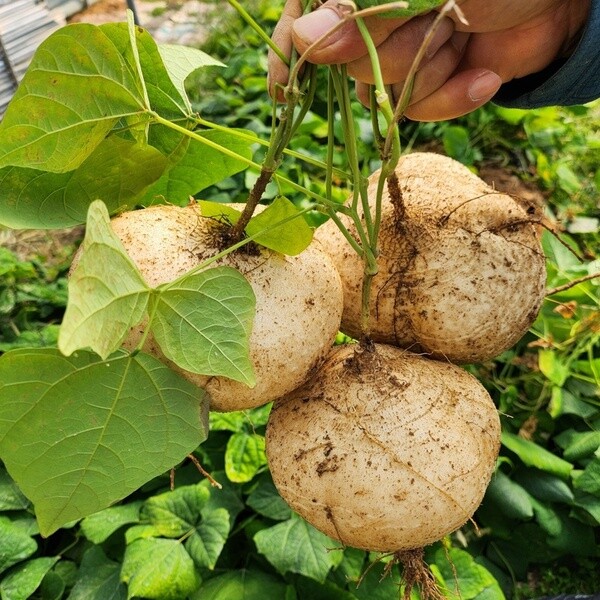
(461,275)
(388,453)
(298,299)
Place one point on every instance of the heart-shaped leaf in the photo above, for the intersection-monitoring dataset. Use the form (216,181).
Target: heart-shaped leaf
(107,294)
(203,321)
(77,434)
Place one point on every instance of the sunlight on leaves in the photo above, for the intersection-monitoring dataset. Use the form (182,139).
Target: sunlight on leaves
(107,294)
(50,124)
(159,569)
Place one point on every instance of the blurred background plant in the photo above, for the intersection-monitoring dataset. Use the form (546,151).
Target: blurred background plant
(538,530)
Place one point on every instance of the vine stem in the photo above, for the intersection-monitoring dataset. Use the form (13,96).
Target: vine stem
(407,89)
(573,283)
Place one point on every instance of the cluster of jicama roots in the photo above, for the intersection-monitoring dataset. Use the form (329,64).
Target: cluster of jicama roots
(385,445)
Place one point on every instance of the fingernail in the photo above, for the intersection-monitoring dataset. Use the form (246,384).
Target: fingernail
(485,86)
(312,26)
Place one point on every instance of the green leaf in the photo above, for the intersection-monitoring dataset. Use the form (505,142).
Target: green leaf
(199,167)
(37,199)
(159,569)
(99,526)
(375,585)
(285,230)
(51,124)
(11,497)
(266,501)
(309,588)
(228,496)
(415,7)
(181,61)
(203,322)
(23,580)
(456,142)
(15,544)
(207,542)
(99,578)
(221,212)
(244,456)
(183,513)
(164,96)
(297,547)
(552,367)
(589,480)
(175,513)
(533,455)
(544,487)
(243,584)
(78,434)
(582,445)
(107,293)
(509,497)
(462,574)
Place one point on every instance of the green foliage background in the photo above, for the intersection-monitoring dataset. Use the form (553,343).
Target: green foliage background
(538,529)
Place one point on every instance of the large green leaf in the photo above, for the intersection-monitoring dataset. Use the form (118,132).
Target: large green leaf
(15,544)
(199,167)
(78,434)
(22,581)
(77,87)
(33,199)
(297,547)
(98,578)
(414,7)
(159,569)
(533,455)
(107,293)
(203,322)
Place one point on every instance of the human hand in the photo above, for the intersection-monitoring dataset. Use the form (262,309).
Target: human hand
(464,65)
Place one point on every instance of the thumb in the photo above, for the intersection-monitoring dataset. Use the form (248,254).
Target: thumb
(342,45)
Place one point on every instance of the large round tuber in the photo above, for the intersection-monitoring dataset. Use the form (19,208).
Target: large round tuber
(461,269)
(298,299)
(384,450)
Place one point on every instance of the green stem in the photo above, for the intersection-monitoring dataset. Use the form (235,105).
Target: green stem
(242,135)
(247,161)
(259,30)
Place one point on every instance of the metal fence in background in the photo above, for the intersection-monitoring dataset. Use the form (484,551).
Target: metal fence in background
(24,25)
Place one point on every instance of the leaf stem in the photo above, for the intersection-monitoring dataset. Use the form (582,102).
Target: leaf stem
(259,30)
